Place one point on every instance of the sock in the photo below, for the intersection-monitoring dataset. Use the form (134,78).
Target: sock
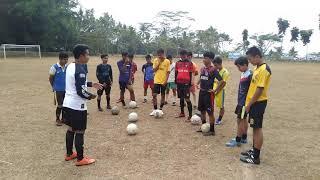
(123,103)
(99,103)
(219,118)
(256,153)
(238,139)
(212,127)
(161,106)
(79,140)
(189,104)
(203,121)
(58,112)
(108,100)
(244,136)
(155,107)
(69,142)
(182,105)
(145,97)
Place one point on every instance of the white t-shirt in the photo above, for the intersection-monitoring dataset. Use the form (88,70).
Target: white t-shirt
(72,100)
(172,72)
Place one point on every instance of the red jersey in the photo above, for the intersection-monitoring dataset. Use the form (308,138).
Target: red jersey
(184,71)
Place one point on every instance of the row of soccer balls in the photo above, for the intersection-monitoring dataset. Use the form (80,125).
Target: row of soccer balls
(132,128)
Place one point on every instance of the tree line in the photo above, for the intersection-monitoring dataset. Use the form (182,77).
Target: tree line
(59,24)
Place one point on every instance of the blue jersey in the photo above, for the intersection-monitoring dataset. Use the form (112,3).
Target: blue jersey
(124,71)
(207,77)
(59,73)
(244,85)
(148,71)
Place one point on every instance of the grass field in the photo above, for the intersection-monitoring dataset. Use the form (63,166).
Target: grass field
(32,147)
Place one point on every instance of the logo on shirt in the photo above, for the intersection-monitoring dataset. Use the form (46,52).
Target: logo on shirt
(82,75)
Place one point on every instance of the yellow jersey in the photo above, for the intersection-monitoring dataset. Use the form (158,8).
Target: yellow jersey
(260,78)
(160,76)
(224,73)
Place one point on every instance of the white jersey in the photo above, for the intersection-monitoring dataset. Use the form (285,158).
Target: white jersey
(172,72)
(76,87)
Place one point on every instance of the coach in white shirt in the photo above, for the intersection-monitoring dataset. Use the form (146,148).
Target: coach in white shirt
(74,104)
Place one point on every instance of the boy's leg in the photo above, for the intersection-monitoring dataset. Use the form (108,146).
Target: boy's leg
(60,97)
(122,91)
(108,97)
(167,93)
(258,141)
(244,130)
(203,119)
(145,91)
(69,142)
(211,120)
(132,96)
(189,105)
(78,142)
(220,104)
(174,92)
(163,95)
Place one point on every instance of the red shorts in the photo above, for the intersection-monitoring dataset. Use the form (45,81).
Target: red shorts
(193,88)
(147,84)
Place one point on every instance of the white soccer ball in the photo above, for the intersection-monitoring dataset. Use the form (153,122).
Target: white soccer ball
(132,129)
(132,104)
(205,127)
(115,110)
(158,114)
(133,117)
(195,120)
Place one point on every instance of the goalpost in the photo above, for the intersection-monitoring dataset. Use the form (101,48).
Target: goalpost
(5,47)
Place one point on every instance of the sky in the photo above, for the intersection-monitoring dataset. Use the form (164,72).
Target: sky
(229,16)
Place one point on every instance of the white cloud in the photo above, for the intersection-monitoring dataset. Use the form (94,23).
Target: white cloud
(230,16)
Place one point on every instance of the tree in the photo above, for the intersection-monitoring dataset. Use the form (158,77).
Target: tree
(294,34)
(283,25)
(145,34)
(243,46)
(293,53)
(265,41)
(305,38)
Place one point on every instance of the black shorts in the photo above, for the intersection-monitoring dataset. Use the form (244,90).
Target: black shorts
(60,97)
(256,114)
(106,89)
(206,102)
(77,120)
(241,112)
(123,85)
(159,89)
(183,90)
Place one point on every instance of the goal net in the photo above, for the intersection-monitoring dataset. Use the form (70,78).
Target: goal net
(14,50)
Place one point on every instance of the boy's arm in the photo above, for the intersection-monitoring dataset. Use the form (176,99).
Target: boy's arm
(111,75)
(98,72)
(221,82)
(52,73)
(80,79)
(156,67)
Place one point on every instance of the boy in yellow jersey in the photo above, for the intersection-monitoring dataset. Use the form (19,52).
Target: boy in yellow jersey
(256,103)
(220,96)
(161,69)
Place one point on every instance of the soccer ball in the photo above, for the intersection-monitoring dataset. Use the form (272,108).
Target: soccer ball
(132,104)
(158,114)
(115,110)
(205,127)
(132,129)
(133,117)
(195,120)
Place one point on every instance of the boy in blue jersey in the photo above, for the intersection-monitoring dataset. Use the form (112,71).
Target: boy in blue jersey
(57,78)
(105,77)
(147,70)
(75,104)
(242,124)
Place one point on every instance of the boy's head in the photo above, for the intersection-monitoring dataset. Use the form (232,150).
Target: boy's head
(217,62)
(148,58)
(81,53)
(131,56)
(190,55)
(254,55)
(104,58)
(183,54)
(242,63)
(160,54)
(169,57)
(208,57)
(63,58)
(124,56)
